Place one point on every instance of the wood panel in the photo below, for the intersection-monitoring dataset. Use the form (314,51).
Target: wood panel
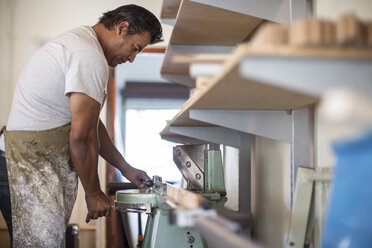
(207,25)
(229,90)
(170,8)
(172,65)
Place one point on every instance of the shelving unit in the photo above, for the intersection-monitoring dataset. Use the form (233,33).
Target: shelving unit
(274,78)
(264,91)
(236,103)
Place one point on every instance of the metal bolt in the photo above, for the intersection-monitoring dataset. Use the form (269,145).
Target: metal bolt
(188,164)
(178,152)
(197,176)
(190,239)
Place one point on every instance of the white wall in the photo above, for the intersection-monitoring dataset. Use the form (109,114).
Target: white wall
(6,29)
(25,24)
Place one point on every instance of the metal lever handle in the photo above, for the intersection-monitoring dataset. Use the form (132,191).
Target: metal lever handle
(148,183)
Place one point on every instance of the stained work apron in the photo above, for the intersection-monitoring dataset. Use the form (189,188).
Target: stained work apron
(43,185)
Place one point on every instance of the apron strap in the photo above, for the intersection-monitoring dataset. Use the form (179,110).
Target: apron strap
(2,130)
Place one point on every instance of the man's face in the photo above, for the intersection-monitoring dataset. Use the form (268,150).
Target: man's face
(125,47)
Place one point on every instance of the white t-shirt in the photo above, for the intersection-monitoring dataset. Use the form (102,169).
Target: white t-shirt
(72,62)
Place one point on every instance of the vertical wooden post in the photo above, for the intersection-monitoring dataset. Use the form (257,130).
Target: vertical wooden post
(114,230)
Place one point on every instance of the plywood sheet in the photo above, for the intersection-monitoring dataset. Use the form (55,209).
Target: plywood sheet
(207,25)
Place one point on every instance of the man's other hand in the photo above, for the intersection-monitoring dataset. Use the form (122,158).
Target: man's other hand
(98,205)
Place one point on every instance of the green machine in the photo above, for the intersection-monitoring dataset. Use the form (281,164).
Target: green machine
(171,211)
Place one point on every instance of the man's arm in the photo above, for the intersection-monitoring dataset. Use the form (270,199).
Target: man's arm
(84,149)
(109,152)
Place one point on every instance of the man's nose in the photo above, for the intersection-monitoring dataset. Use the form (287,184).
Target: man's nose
(132,57)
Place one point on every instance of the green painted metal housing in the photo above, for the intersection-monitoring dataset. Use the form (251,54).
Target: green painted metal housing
(213,171)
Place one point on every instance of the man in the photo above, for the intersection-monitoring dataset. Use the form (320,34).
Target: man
(54,132)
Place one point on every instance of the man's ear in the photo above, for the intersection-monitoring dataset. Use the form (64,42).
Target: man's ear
(122,28)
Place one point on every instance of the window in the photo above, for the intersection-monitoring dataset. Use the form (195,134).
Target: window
(145,109)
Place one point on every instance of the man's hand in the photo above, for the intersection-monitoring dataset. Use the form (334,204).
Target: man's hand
(136,176)
(98,205)
(109,152)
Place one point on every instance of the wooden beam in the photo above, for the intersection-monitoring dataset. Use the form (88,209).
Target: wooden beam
(184,198)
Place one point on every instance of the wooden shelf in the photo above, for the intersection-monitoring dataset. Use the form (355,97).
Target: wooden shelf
(229,90)
(201,24)
(273,10)
(169,67)
(166,134)
(341,53)
(173,51)
(310,71)
(182,118)
(169,9)
(183,79)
